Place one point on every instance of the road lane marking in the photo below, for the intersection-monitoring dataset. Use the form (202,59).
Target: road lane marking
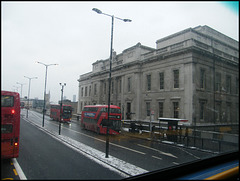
(15,172)
(7,179)
(156,157)
(161,152)
(189,153)
(175,163)
(19,169)
(127,148)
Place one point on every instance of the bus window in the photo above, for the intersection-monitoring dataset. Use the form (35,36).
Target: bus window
(7,101)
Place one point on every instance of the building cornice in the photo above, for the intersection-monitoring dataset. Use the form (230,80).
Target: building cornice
(155,58)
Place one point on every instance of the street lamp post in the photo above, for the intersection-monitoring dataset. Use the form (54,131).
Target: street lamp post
(110,71)
(21,87)
(61,107)
(44,102)
(29,85)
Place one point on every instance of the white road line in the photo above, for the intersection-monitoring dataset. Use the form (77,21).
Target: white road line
(127,148)
(19,169)
(175,163)
(189,153)
(161,152)
(156,157)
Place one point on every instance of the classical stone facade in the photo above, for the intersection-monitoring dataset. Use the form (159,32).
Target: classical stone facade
(192,74)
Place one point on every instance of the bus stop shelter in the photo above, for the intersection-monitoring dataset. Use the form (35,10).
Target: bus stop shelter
(172,127)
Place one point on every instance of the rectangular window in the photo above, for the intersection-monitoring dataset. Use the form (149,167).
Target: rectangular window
(129,84)
(218,82)
(148,82)
(82,92)
(228,112)
(202,112)
(90,90)
(176,109)
(85,91)
(6,128)
(105,88)
(176,78)
(161,78)
(128,113)
(112,87)
(120,85)
(228,84)
(218,112)
(202,79)
(95,89)
(148,108)
(160,109)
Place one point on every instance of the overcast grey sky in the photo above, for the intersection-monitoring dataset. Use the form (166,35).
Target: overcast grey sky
(73,36)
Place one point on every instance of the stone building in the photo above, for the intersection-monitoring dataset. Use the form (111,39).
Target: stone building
(192,74)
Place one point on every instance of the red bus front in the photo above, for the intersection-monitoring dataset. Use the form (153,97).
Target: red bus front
(66,113)
(10,124)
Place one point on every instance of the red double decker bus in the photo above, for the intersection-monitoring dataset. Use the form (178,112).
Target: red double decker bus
(95,118)
(66,113)
(10,124)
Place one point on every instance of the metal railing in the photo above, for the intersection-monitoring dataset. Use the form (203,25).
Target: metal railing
(186,135)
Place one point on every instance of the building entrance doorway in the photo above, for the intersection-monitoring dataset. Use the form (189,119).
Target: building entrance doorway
(128,110)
